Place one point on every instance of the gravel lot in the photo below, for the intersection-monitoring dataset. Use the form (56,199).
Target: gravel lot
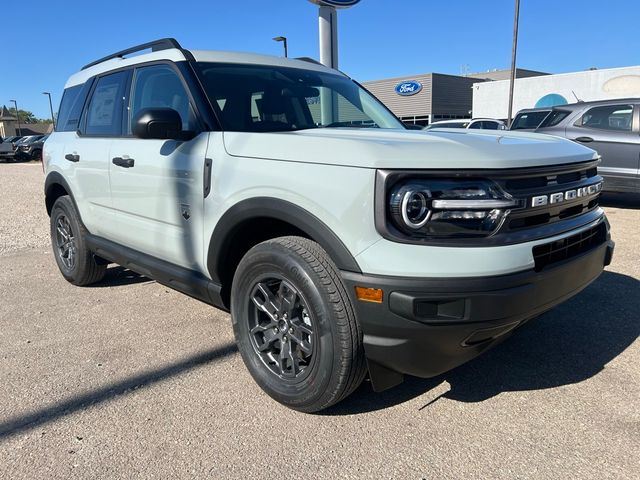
(128,379)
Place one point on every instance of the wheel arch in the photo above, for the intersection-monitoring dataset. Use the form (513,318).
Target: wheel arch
(55,186)
(255,220)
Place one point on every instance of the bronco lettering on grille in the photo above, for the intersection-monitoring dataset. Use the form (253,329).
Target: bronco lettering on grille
(559,197)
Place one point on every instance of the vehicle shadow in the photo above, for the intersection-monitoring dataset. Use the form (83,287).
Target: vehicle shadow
(117,276)
(34,419)
(620,200)
(569,344)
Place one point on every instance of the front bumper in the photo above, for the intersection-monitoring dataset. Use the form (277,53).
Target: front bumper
(425,327)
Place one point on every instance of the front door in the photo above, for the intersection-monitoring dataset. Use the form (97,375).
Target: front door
(157,185)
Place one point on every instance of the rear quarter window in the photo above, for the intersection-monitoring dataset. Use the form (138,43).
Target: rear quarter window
(104,113)
(70,98)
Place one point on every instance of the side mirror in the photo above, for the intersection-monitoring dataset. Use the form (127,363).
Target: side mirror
(157,123)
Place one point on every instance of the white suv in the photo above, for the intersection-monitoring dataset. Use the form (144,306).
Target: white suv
(342,243)
(473,124)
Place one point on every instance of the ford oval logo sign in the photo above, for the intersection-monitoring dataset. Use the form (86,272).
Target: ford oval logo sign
(335,3)
(410,87)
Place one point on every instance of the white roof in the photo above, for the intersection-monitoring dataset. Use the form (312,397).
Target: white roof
(176,55)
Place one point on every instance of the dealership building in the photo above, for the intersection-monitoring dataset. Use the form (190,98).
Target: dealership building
(426,98)
(429,97)
(490,99)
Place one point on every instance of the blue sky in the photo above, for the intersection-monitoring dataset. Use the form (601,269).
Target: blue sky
(47,42)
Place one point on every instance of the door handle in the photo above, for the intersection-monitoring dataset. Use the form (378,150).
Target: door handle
(584,139)
(123,162)
(72,157)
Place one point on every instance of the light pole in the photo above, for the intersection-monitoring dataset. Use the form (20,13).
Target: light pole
(514,50)
(17,116)
(284,41)
(53,120)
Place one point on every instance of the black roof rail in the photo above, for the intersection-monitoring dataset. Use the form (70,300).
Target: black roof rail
(155,46)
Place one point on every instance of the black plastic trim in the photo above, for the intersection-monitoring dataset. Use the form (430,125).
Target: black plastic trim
(179,278)
(267,207)
(400,338)
(206,177)
(200,100)
(55,178)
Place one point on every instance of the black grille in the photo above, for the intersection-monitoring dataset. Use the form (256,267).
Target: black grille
(525,186)
(553,252)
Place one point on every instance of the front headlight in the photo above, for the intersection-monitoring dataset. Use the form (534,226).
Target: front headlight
(448,208)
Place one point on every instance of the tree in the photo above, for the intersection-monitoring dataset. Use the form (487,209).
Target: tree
(26,117)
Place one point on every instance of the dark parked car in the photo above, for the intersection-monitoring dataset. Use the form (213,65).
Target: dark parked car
(31,149)
(529,118)
(8,146)
(13,139)
(612,128)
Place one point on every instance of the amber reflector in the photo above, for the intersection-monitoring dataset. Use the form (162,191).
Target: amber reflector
(369,294)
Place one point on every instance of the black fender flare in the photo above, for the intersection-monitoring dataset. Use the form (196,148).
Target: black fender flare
(268,207)
(56,178)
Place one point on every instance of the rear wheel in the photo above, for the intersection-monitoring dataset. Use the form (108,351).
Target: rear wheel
(295,325)
(77,264)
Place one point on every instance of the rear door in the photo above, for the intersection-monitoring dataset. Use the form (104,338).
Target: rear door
(611,130)
(157,190)
(86,152)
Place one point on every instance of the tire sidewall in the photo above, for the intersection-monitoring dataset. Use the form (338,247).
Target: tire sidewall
(276,259)
(64,206)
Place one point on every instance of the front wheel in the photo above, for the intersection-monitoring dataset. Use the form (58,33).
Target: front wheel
(295,326)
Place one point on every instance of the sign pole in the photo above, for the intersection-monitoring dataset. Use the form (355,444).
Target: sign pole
(514,50)
(328,35)
(328,40)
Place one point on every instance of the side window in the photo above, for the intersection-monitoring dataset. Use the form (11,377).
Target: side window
(104,116)
(69,98)
(159,86)
(609,117)
(490,125)
(477,125)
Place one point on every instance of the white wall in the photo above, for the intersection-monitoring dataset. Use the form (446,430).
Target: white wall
(491,99)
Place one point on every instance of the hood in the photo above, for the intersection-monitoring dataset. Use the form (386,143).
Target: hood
(410,149)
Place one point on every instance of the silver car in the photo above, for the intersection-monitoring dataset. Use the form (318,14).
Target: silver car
(612,128)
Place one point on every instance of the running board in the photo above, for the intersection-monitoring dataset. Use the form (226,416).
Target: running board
(187,281)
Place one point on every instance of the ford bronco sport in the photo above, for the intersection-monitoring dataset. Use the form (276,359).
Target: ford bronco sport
(343,244)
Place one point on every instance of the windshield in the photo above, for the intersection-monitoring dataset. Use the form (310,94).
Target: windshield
(266,98)
(531,120)
(554,118)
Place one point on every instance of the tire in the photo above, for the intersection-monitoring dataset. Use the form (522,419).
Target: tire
(295,325)
(76,263)
(36,155)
